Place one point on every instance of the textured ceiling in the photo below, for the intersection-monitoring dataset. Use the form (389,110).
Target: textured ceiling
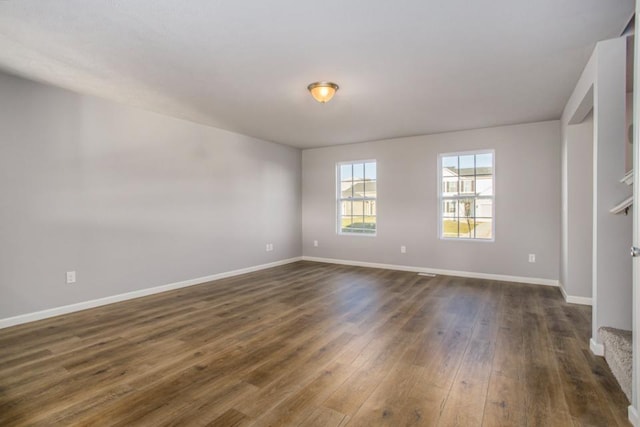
(404,67)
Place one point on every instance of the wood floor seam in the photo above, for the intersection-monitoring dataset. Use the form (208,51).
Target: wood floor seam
(316,345)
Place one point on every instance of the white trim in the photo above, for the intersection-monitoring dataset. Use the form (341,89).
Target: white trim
(339,199)
(57,311)
(501,277)
(632,414)
(578,300)
(627,178)
(562,291)
(622,206)
(441,198)
(570,299)
(596,348)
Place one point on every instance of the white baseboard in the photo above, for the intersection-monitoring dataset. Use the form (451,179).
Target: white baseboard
(575,300)
(578,300)
(632,414)
(57,311)
(501,277)
(596,348)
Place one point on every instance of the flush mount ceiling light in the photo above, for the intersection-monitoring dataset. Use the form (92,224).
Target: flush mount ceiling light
(322,91)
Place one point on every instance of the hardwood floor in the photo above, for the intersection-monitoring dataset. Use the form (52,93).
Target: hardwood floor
(315,345)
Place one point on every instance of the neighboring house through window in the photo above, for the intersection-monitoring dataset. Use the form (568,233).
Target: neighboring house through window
(466,195)
(357,194)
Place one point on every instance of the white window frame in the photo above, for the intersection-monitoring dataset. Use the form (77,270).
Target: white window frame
(492,197)
(339,199)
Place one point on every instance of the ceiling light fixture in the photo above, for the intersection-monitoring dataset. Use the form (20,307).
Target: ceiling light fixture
(322,91)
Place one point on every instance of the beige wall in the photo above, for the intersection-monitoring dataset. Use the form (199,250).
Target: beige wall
(601,88)
(527,164)
(130,199)
(578,278)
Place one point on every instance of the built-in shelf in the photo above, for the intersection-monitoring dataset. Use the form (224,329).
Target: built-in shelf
(622,206)
(628,178)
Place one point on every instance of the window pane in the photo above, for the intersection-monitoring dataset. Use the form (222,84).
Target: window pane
(370,171)
(466,208)
(358,171)
(370,188)
(449,208)
(357,194)
(357,208)
(467,165)
(368,222)
(450,186)
(484,164)
(358,188)
(449,227)
(346,172)
(467,185)
(484,185)
(449,166)
(359,224)
(484,228)
(346,209)
(466,227)
(484,208)
(346,190)
(370,180)
(346,222)
(370,207)
(466,192)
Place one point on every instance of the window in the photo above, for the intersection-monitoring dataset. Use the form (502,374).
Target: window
(357,198)
(466,195)
(450,207)
(450,186)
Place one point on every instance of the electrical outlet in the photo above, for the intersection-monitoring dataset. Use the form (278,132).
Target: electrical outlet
(315,243)
(532,257)
(269,247)
(71,277)
(403,249)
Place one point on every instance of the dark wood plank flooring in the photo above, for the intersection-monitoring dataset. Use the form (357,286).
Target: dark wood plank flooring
(315,345)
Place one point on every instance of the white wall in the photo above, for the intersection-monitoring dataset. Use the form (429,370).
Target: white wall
(612,286)
(130,199)
(527,164)
(628,163)
(601,87)
(578,153)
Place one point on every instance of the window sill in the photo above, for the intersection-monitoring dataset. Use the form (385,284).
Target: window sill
(460,239)
(358,234)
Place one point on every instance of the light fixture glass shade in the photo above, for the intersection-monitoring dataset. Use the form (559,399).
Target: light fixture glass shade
(322,91)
